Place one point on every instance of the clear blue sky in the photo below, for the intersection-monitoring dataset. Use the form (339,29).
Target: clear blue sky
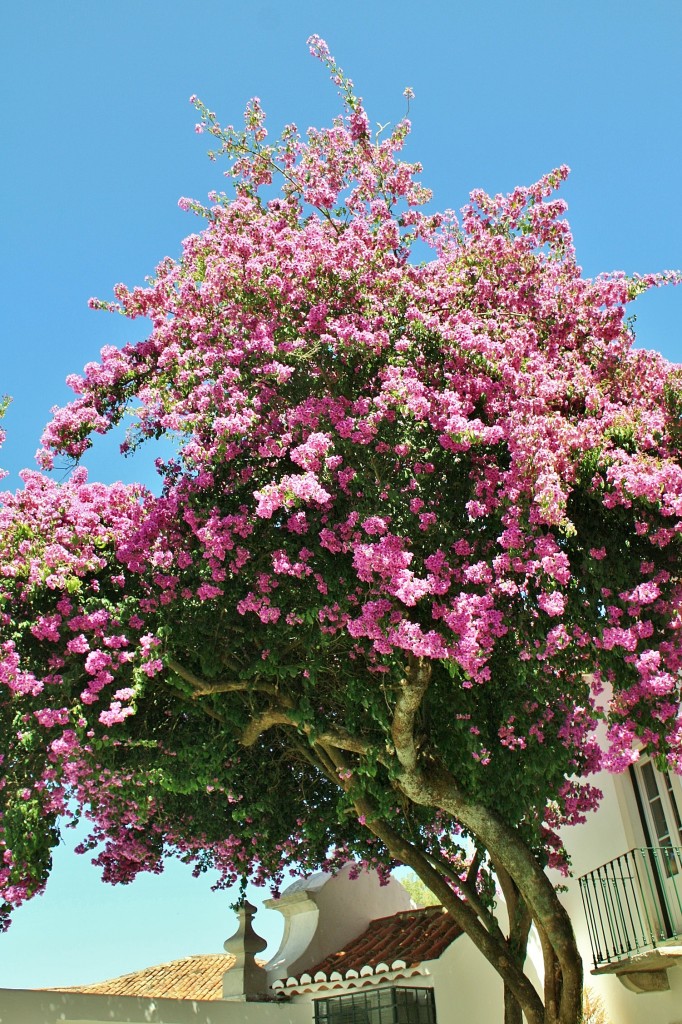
(97,145)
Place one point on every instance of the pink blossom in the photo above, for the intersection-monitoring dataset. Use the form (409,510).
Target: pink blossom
(115,714)
(50,717)
(288,492)
(553,603)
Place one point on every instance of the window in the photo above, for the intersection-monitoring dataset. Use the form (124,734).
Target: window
(381,1005)
(661,814)
(657,797)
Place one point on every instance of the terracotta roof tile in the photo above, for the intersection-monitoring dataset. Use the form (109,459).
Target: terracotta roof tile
(412,936)
(193,977)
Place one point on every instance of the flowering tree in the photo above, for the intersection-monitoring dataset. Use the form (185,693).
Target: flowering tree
(419,537)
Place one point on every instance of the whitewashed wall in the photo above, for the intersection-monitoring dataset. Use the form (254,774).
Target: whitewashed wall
(19,1006)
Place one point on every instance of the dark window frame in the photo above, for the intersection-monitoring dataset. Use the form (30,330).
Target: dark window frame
(381,1004)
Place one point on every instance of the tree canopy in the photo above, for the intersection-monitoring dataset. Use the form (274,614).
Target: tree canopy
(418,538)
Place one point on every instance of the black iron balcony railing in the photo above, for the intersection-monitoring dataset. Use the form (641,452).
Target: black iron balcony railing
(633,903)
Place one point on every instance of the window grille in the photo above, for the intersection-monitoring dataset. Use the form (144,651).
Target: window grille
(633,903)
(383,1005)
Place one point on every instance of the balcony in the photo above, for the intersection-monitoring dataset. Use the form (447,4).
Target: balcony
(633,907)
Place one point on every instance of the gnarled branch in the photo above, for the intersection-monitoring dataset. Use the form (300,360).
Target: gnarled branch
(203,688)
(341,740)
(412,689)
(266,720)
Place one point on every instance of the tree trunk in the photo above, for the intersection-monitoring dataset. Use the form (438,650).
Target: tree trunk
(513,1014)
(508,851)
(490,941)
(520,922)
(429,784)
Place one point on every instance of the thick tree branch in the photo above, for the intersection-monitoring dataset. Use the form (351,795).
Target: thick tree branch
(520,918)
(203,688)
(537,896)
(331,737)
(342,741)
(520,922)
(473,868)
(553,974)
(412,689)
(317,758)
(330,763)
(203,708)
(266,720)
(282,716)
